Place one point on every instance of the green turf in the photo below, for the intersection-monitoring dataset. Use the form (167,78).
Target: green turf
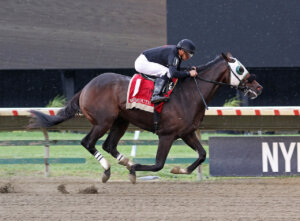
(92,167)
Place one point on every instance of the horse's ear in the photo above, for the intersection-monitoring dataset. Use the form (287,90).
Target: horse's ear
(224,56)
(227,57)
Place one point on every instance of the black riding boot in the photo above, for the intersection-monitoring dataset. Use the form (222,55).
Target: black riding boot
(158,86)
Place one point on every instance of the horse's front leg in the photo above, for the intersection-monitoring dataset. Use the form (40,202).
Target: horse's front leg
(164,146)
(194,143)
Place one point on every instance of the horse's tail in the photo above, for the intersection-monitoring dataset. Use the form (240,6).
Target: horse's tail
(41,120)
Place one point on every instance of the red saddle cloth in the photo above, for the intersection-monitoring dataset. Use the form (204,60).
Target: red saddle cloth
(140,92)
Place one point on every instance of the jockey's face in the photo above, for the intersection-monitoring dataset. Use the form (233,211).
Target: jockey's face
(184,55)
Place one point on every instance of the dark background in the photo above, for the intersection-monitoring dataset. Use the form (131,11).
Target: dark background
(45,52)
(258,33)
(263,35)
(35,88)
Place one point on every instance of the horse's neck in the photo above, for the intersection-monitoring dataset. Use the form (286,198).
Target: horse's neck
(193,98)
(210,90)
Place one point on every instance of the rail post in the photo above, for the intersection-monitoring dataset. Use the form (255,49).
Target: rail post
(136,137)
(47,153)
(199,173)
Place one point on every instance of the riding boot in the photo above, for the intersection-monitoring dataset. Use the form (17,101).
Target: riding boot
(158,86)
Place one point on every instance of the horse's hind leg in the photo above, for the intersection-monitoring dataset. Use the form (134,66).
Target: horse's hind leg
(110,145)
(89,142)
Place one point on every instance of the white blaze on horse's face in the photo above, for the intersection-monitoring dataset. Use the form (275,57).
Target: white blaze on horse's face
(238,72)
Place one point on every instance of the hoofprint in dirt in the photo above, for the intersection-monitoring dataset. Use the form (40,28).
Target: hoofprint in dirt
(36,198)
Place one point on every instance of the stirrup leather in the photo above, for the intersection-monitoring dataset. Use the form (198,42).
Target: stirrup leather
(156,99)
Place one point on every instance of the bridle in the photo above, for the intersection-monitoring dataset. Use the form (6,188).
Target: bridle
(241,86)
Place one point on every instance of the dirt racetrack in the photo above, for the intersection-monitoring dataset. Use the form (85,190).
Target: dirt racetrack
(234,199)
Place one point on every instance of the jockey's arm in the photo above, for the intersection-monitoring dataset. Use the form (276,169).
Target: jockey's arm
(193,71)
(173,69)
(178,74)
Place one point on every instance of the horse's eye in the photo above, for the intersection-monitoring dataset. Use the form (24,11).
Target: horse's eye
(239,70)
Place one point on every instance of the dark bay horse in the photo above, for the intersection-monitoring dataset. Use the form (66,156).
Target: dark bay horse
(103,103)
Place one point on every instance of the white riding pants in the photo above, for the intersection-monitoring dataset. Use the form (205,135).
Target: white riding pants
(144,66)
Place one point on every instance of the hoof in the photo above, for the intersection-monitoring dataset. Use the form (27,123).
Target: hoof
(178,170)
(132,177)
(175,170)
(106,176)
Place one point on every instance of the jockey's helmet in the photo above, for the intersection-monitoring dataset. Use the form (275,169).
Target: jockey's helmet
(187,45)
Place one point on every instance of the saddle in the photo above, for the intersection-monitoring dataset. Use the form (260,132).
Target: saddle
(139,94)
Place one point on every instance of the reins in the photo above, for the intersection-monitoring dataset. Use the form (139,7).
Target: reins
(204,102)
(239,87)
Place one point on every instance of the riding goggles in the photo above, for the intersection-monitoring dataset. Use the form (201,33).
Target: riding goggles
(189,54)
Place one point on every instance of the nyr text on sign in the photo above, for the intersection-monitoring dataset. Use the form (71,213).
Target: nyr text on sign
(254,156)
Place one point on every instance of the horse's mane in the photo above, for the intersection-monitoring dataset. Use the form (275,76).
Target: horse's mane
(204,67)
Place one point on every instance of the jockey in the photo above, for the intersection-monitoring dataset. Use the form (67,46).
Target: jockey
(164,63)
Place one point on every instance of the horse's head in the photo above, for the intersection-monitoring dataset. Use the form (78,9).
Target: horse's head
(240,77)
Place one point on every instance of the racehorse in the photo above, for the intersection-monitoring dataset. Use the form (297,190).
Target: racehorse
(103,102)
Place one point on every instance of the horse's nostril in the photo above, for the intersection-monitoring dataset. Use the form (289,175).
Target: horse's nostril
(259,88)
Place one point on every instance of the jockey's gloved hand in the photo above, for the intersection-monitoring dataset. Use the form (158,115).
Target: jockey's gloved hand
(193,72)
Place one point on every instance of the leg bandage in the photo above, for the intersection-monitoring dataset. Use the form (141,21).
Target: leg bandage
(104,163)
